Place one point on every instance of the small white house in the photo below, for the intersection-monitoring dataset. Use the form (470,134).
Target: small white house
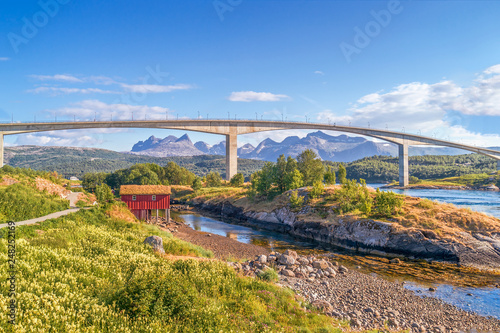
(73,178)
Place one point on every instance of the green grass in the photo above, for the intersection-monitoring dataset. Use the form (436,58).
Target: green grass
(20,202)
(471,180)
(88,272)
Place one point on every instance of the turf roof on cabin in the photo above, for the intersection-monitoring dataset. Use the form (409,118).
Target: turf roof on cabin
(144,189)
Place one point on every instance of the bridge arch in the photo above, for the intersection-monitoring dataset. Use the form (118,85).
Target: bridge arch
(232,128)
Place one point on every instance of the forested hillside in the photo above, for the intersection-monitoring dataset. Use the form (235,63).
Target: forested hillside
(79,161)
(70,161)
(385,168)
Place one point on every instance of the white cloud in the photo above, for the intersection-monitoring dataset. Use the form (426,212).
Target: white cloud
(319,72)
(493,69)
(424,108)
(4,58)
(57,77)
(59,138)
(88,109)
(100,80)
(154,88)
(482,98)
(103,80)
(58,91)
(251,96)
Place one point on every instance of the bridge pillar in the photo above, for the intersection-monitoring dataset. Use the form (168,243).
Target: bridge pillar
(498,164)
(1,149)
(403,165)
(231,154)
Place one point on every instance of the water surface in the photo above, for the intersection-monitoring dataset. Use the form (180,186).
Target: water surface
(484,301)
(481,201)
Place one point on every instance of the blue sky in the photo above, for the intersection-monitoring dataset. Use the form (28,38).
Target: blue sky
(420,66)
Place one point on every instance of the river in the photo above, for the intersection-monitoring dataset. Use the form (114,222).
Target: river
(482,300)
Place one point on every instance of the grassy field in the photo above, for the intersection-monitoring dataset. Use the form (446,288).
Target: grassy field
(477,180)
(91,272)
(473,180)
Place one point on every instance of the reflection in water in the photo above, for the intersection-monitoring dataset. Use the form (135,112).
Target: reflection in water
(232,235)
(264,242)
(486,301)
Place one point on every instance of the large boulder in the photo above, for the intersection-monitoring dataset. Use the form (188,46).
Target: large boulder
(320,264)
(156,243)
(291,253)
(286,260)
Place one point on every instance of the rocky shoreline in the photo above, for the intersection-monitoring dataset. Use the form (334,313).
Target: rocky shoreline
(490,188)
(368,236)
(365,301)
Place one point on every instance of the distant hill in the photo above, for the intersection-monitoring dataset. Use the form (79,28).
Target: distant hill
(203,158)
(75,161)
(341,148)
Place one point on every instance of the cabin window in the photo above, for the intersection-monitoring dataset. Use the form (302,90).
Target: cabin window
(154,197)
(134,197)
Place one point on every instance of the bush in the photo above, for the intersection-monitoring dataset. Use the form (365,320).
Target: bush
(237,180)
(330,176)
(342,174)
(103,194)
(213,179)
(414,180)
(388,203)
(196,184)
(269,275)
(317,190)
(353,196)
(296,202)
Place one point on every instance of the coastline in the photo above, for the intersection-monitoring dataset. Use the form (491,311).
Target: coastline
(441,187)
(365,235)
(356,297)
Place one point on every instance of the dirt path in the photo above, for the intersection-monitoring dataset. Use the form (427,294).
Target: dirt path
(43,218)
(73,198)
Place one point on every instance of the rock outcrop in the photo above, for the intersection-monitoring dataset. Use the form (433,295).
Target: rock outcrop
(371,236)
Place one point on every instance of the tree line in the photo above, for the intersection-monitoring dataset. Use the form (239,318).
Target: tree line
(289,173)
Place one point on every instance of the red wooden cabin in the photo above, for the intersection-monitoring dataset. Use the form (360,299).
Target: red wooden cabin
(142,200)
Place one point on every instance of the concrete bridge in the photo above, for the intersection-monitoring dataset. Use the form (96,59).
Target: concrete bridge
(232,128)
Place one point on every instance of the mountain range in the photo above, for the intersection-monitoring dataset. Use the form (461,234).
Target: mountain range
(341,148)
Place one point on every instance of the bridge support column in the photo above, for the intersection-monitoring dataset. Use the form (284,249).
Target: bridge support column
(498,164)
(1,149)
(231,154)
(403,165)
